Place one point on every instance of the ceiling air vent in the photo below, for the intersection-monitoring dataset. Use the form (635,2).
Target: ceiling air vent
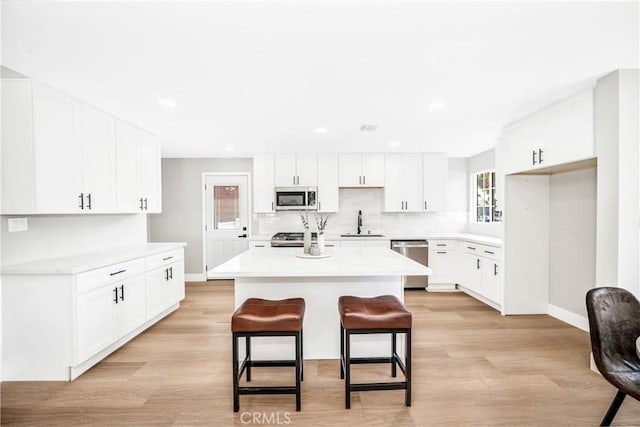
(368,128)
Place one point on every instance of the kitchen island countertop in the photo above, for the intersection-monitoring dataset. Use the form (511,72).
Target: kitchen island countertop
(346,262)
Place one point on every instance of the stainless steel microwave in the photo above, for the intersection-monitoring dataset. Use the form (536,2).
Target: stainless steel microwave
(296,198)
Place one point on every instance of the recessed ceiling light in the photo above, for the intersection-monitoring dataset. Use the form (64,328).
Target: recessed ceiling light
(321,129)
(436,106)
(166,102)
(393,143)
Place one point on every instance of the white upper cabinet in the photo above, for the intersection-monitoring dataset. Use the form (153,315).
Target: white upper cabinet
(263,183)
(98,161)
(138,170)
(293,170)
(57,139)
(361,170)
(561,133)
(403,183)
(568,130)
(434,182)
(60,156)
(328,191)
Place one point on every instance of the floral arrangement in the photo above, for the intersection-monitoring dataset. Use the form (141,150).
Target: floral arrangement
(305,220)
(322,223)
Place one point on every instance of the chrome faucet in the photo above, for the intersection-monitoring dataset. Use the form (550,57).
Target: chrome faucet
(359,221)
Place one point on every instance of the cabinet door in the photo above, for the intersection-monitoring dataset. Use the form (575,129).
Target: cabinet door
(472,273)
(157,289)
(128,195)
(328,191)
(523,138)
(131,304)
(403,179)
(373,170)
(285,170)
(263,183)
(57,150)
(98,161)
(434,181)
(176,285)
(443,264)
(149,173)
(307,170)
(491,286)
(17,169)
(568,130)
(97,324)
(350,170)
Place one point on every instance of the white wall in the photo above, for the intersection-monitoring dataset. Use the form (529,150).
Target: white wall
(480,163)
(53,236)
(371,202)
(181,217)
(572,239)
(616,133)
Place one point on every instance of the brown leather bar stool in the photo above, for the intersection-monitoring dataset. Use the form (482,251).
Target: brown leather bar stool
(378,315)
(266,318)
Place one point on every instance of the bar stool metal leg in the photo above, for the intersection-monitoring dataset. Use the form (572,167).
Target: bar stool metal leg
(347,369)
(407,363)
(236,396)
(298,368)
(393,355)
(341,352)
(248,356)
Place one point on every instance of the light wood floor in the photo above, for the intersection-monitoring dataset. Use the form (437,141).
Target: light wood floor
(471,367)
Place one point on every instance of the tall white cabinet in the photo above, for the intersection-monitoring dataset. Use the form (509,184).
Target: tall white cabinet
(62,156)
(328,191)
(264,183)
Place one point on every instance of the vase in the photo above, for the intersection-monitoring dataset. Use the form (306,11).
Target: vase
(307,240)
(321,243)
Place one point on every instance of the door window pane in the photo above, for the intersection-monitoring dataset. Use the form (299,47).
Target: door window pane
(226,207)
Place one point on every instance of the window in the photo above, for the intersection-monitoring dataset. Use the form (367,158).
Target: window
(485,185)
(226,215)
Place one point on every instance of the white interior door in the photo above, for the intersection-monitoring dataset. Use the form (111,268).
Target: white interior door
(227,217)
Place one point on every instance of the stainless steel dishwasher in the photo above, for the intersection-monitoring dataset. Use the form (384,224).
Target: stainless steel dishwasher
(417,250)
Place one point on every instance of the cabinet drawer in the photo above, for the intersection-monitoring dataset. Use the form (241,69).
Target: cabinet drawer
(93,279)
(491,252)
(472,248)
(164,258)
(441,245)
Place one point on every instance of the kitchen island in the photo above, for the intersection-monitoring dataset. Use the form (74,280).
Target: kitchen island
(276,273)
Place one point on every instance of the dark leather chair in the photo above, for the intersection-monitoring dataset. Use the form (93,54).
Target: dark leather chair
(614,322)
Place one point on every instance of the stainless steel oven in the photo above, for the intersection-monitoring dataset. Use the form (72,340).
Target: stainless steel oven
(296,198)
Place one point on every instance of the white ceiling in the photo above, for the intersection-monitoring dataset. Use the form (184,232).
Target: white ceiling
(262,76)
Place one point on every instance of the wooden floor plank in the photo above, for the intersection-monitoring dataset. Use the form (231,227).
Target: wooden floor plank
(471,366)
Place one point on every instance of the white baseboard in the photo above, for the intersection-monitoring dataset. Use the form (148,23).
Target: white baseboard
(569,317)
(199,277)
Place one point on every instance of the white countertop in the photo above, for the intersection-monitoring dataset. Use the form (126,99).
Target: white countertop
(88,261)
(476,238)
(346,262)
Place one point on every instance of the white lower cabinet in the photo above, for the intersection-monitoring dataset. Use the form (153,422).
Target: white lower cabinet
(108,313)
(442,260)
(56,325)
(480,272)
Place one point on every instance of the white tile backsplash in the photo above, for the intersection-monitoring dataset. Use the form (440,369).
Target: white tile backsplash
(370,201)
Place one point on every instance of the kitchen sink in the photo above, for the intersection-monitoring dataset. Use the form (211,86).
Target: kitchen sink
(361,235)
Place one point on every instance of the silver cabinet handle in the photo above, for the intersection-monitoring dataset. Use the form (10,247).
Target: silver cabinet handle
(89,201)
(534,156)
(425,205)
(319,206)
(364,179)
(540,156)
(81,196)
(443,253)
(271,205)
